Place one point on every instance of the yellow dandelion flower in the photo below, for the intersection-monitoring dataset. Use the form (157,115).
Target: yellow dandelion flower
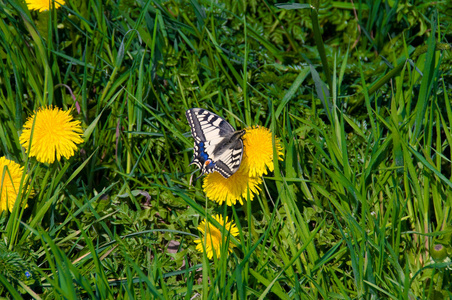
(55,134)
(10,176)
(232,189)
(213,238)
(258,149)
(42,5)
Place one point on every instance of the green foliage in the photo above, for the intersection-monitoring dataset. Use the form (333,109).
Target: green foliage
(16,270)
(359,94)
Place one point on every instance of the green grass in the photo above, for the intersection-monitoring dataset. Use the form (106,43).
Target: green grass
(353,212)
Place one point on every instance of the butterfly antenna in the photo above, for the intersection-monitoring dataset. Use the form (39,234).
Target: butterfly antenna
(192,182)
(198,177)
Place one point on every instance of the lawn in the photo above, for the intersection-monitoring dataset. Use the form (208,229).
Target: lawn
(337,183)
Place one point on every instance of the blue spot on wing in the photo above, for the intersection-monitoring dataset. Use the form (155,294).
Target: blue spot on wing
(207,165)
(202,153)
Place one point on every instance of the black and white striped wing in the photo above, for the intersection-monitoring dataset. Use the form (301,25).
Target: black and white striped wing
(218,146)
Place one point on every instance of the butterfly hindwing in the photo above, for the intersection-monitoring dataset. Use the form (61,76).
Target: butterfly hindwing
(218,146)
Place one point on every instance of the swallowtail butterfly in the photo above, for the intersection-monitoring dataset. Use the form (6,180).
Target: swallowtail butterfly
(218,146)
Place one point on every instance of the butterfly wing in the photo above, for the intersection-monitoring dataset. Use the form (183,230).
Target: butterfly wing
(227,154)
(218,147)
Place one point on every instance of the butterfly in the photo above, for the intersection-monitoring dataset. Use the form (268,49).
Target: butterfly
(218,146)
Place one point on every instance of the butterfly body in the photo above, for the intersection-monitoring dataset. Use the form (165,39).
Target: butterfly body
(218,146)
